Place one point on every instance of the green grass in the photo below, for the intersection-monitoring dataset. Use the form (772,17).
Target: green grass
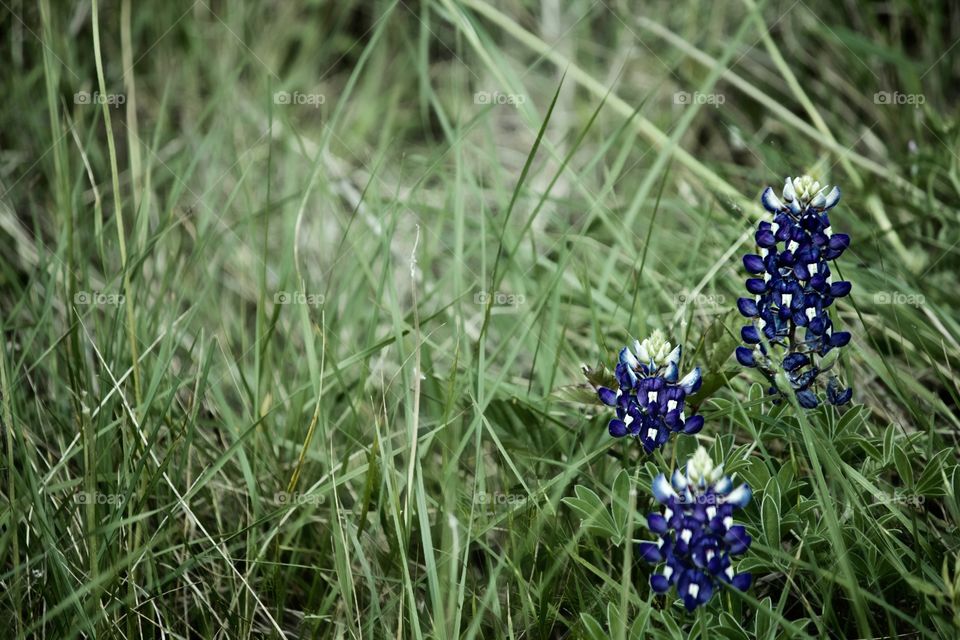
(315,356)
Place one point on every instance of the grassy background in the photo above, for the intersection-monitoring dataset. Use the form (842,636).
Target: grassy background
(305,363)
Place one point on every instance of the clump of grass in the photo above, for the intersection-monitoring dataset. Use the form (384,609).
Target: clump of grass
(295,299)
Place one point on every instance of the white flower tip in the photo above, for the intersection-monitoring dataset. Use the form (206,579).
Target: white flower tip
(662,489)
(832,198)
(740,496)
(770,200)
(700,466)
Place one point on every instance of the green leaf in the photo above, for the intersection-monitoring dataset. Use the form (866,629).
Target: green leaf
(592,628)
(581,393)
(931,482)
(888,440)
(614,619)
(762,620)
(770,510)
(620,500)
(600,376)
(904,469)
(592,512)
(639,626)
(730,628)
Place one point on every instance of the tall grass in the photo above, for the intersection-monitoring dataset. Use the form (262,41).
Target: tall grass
(295,301)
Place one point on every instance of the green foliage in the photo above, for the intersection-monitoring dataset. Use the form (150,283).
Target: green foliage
(293,331)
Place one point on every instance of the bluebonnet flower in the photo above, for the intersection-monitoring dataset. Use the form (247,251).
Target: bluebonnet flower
(793,290)
(698,538)
(650,398)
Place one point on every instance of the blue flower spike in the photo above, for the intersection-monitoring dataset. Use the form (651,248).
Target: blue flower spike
(790,333)
(698,539)
(650,397)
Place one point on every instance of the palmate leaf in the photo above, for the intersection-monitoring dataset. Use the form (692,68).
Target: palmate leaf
(586,392)
(718,342)
(594,514)
(600,376)
(581,393)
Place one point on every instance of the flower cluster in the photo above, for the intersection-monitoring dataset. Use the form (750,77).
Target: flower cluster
(698,539)
(650,398)
(793,289)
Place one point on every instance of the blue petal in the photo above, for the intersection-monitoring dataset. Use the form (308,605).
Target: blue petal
(770,201)
(747,307)
(679,480)
(693,425)
(745,357)
(661,489)
(657,523)
(765,238)
(839,338)
(650,552)
(607,396)
(742,581)
(840,289)
(618,428)
(671,373)
(831,199)
(836,395)
(740,496)
(756,285)
(738,539)
(807,399)
(706,591)
(795,361)
(723,485)
(674,357)
(753,263)
(750,334)
(692,381)
(839,241)
(818,325)
(627,358)
(659,583)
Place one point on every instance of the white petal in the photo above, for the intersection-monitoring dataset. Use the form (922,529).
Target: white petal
(789,193)
(832,198)
(674,356)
